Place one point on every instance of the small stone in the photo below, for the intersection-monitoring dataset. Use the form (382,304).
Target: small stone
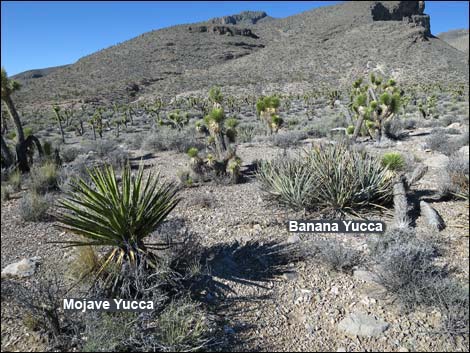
(293,239)
(228,330)
(341,349)
(365,276)
(360,324)
(290,276)
(20,269)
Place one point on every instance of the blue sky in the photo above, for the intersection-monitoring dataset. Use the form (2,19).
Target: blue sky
(37,34)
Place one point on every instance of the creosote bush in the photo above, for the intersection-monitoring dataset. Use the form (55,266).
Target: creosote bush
(330,177)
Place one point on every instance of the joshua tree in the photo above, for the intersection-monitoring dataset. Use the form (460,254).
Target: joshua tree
(267,108)
(60,120)
(333,96)
(24,146)
(375,103)
(178,119)
(216,97)
(221,159)
(96,122)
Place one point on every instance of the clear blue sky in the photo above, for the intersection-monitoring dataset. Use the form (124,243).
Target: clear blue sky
(37,34)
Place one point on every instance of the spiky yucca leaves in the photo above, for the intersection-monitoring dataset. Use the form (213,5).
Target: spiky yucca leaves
(216,97)
(287,181)
(374,102)
(178,119)
(121,216)
(266,108)
(393,161)
(331,177)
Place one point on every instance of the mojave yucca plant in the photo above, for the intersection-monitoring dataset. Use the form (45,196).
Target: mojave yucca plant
(107,213)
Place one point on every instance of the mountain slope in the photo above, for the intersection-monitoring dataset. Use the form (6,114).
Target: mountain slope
(458,38)
(329,45)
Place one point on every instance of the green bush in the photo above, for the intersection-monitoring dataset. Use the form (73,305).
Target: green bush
(331,177)
(393,161)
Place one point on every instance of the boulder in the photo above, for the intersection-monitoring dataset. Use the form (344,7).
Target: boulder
(360,324)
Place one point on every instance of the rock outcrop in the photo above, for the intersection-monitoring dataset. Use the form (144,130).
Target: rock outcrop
(409,11)
(245,17)
(224,30)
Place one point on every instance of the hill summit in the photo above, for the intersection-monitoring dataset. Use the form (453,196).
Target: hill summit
(254,53)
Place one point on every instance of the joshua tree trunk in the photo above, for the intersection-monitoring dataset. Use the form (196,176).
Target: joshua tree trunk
(22,152)
(6,153)
(358,127)
(15,117)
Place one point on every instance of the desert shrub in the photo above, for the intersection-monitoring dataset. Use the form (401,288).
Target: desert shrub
(85,262)
(169,139)
(440,141)
(187,178)
(109,332)
(393,161)
(337,256)
(101,147)
(405,269)
(247,132)
(288,139)
(452,299)
(33,207)
(118,158)
(14,180)
(456,177)
(405,265)
(76,170)
(395,129)
(182,326)
(331,177)
(41,303)
(7,190)
(44,177)
(323,127)
(69,154)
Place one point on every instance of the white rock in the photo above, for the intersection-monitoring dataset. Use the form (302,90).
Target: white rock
(293,239)
(454,126)
(464,150)
(20,269)
(360,324)
(365,276)
(437,161)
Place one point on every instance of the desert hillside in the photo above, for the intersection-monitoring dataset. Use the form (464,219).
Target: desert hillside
(258,184)
(458,38)
(254,52)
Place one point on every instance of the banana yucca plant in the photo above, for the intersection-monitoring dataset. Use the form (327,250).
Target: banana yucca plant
(107,214)
(331,177)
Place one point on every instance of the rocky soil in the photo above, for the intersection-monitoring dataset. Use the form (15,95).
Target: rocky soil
(301,306)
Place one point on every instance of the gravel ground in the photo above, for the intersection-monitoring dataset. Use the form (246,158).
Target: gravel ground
(295,309)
